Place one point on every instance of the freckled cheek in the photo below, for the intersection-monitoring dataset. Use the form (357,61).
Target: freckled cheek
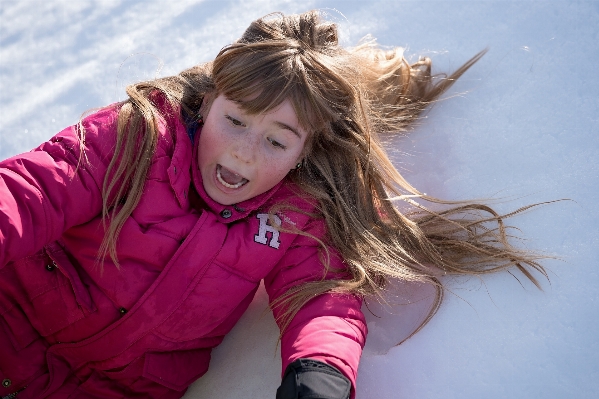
(210,145)
(273,173)
(275,168)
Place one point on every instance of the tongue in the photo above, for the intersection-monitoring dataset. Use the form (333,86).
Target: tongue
(230,177)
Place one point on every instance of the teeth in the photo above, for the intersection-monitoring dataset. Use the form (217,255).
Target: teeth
(224,183)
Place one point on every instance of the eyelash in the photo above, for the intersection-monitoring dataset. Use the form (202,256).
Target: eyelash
(234,121)
(276,144)
(273,142)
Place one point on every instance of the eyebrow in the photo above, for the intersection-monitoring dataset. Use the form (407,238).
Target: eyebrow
(287,127)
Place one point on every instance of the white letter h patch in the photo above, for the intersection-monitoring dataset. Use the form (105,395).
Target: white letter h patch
(264,228)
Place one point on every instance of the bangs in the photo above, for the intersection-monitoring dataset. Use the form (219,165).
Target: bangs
(259,77)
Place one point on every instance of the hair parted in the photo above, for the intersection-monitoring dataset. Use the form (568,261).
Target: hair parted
(346,98)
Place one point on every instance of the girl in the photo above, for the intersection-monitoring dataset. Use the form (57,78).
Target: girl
(133,241)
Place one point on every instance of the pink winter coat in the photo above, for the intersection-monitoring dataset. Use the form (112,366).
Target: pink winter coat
(68,329)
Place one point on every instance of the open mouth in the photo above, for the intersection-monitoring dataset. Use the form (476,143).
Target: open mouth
(228,178)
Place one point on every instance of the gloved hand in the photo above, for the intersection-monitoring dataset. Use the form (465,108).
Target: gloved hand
(306,378)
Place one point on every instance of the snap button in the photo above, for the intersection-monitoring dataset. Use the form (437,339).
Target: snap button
(226,213)
(51,266)
(122,311)
(6,383)
(175,169)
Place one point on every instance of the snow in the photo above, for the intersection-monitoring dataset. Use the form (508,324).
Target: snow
(520,127)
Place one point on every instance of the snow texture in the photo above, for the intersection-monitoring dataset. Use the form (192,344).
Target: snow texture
(520,127)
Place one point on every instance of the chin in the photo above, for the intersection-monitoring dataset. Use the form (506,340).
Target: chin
(224,199)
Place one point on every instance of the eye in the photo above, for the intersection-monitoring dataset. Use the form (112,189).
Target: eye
(276,144)
(234,121)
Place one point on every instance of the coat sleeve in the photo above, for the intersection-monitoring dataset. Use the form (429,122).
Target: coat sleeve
(329,328)
(50,189)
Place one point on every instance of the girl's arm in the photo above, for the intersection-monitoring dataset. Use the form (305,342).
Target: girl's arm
(329,328)
(52,188)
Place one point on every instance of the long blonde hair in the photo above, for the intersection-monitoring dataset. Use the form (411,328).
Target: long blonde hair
(347,99)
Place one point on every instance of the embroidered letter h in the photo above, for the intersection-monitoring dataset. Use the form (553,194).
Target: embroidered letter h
(266,227)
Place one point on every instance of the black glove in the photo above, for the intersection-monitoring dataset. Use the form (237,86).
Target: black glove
(311,379)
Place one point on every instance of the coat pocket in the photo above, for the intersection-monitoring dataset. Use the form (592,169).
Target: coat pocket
(48,289)
(176,370)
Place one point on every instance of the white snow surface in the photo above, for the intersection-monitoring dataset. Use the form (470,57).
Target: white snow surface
(520,127)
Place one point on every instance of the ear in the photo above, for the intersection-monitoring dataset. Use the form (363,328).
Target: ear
(299,164)
(301,160)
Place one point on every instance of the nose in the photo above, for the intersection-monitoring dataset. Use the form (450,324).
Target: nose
(245,148)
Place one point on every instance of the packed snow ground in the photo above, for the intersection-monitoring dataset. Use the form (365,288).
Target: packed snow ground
(520,127)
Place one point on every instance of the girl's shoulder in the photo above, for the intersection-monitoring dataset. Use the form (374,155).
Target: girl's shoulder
(99,128)
(100,121)
(291,194)
(295,207)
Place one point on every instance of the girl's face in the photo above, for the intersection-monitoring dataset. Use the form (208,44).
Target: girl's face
(241,156)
